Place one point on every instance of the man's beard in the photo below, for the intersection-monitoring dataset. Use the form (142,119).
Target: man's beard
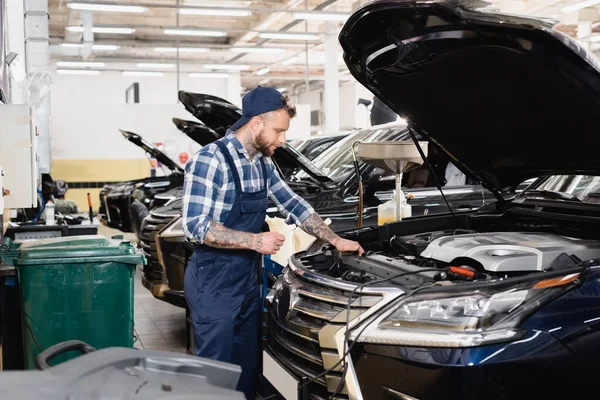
(262,146)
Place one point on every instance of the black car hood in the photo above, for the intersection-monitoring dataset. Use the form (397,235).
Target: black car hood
(215,112)
(196,131)
(153,150)
(507,97)
(219,115)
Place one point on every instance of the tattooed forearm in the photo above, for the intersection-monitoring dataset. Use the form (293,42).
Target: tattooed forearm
(224,238)
(317,227)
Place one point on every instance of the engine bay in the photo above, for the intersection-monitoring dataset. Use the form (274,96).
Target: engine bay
(455,255)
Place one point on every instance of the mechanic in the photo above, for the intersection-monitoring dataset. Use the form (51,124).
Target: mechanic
(226,187)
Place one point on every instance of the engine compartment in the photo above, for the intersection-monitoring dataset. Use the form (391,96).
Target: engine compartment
(457,255)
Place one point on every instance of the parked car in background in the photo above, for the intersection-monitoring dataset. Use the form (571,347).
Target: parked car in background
(312,146)
(502,302)
(116,199)
(336,198)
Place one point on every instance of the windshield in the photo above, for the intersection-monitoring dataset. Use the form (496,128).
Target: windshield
(585,188)
(337,163)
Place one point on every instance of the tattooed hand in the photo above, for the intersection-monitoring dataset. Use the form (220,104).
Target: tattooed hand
(269,242)
(224,238)
(318,228)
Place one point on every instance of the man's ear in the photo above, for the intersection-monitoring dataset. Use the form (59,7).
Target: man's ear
(256,123)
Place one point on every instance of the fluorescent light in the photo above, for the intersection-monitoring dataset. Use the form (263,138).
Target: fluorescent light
(320,16)
(595,38)
(257,50)
(290,36)
(207,75)
(105,29)
(106,47)
(235,67)
(262,71)
(193,32)
(107,7)
(281,89)
(79,64)
(221,12)
(155,65)
(77,72)
(181,49)
(580,5)
(143,73)
(264,81)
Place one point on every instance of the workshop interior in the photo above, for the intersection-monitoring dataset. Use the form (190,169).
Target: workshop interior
(447,139)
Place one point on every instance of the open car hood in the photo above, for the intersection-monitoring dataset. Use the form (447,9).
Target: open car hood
(215,112)
(196,131)
(218,115)
(509,98)
(152,150)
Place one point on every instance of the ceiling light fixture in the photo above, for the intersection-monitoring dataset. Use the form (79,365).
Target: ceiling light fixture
(107,7)
(219,12)
(105,47)
(320,16)
(155,65)
(264,81)
(262,71)
(257,50)
(281,89)
(77,72)
(233,67)
(595,38)
(105,29)
(193,32)
(288,36)
(207,75)
(80,64)
(143,73)
(580,5)
(181,49)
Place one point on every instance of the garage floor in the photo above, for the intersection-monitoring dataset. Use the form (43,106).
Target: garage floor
(158,325)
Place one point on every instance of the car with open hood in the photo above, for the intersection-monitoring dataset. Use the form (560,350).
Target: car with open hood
(117,198)
(502,302)
(334,198)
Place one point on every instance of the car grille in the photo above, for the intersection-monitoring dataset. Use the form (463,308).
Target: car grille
(151,225)
(301,337)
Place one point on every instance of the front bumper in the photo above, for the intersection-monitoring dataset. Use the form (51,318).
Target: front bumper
(537,366)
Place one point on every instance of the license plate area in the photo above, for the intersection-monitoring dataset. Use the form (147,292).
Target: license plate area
(283,381)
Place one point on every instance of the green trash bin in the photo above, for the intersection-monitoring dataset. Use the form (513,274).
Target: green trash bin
(74,288)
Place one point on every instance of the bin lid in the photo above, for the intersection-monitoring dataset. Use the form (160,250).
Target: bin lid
(85,248)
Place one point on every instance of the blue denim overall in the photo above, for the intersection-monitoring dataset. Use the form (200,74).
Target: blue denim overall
(221,289)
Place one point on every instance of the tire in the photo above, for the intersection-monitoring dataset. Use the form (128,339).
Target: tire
(137,212)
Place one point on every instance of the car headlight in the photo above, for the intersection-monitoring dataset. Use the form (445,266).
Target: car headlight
(466,319)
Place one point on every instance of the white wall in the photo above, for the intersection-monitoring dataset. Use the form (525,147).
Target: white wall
(351,115)
(87,111)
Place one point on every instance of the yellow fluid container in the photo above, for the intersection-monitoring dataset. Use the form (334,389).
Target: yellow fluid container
(386,212)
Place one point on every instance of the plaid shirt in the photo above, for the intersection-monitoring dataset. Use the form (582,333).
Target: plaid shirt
(209,188)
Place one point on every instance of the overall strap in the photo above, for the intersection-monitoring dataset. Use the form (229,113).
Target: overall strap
(264,171)
(231,163)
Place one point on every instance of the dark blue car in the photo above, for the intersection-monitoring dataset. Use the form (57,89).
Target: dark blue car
(499,303)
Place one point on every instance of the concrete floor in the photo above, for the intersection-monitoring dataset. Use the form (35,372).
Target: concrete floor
(158,325)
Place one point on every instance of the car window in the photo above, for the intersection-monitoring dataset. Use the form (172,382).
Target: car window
(580,187)
(337,162)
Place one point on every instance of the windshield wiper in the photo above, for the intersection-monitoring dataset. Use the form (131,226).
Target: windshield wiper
(553,194)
